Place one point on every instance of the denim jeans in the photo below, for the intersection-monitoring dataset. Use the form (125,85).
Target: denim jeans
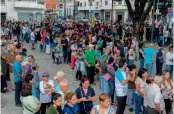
(170,69)
(149,67)
(121,104)
(111,90)
(65,55)
(141,64)
(38,46)
(18,88)
(130,93)
(43,47)
(159,68)
(138,103)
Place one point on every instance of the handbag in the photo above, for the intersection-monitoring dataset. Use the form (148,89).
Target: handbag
(107,76)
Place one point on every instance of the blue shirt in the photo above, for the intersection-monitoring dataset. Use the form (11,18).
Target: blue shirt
(100,43)
(57,88)
(97,54)
(102,58)
(149,53)
(119,75)
(88,104)
(17,68)
(70,110)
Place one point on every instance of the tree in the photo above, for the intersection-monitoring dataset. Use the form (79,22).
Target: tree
(140,13)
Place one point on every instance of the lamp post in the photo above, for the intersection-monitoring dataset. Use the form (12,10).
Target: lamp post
(112,14)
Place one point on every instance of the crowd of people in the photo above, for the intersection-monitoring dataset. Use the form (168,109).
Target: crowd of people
(96,52)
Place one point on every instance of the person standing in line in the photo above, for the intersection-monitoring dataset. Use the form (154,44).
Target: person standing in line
(152,97)
(30,103)
(90,63)
(46,87)
(169,61)
(149,54)
(64,43)
(85,97)
(17,72)
(10,60)
(104,106)
(35,73)
(55,107)
(140,84)
(73,54)
(59,78)
(32,34)
(121,86)
(38,39)
(159,59)
(131,87)
(47,42)
(141,56)
(71,106)
(166,86)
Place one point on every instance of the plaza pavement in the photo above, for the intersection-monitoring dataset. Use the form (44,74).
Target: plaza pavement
(46,64)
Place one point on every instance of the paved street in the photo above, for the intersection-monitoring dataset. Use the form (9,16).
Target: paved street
(45,63)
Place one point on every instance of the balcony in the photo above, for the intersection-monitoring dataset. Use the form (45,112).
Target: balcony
(30,4)
(3,7)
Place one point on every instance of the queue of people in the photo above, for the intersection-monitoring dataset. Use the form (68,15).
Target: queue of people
(91,51)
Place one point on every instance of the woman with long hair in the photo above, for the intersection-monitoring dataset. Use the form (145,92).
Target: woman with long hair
(166,86)
(140,84)
(85,96)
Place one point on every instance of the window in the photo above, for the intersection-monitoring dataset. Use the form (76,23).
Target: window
(96,3)
(2,1)
(106,2)
(90,3)
(119,1)
(84,3)
(80,4)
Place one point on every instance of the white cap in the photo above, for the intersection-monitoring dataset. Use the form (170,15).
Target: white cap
(59,74)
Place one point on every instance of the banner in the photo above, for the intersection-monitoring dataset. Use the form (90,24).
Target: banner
(51,4)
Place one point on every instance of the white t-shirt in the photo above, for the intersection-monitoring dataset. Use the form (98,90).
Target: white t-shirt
(169,56)
(153,95)
(32,36)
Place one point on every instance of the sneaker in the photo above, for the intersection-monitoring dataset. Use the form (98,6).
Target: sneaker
(131,109)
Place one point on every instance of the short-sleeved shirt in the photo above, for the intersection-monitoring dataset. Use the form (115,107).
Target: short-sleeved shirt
(142,83)
(88,104)
(57,88)
(17,68)
(90,57)
(102,58)
(51,110)
(149,53)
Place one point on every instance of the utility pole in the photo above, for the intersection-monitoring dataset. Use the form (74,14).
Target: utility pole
(153,20)
(112,14)
(74,17)
(64,9)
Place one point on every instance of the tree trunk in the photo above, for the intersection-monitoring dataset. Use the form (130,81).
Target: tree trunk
(135,28)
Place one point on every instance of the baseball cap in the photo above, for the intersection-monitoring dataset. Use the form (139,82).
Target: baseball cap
(45,74)
(59,74)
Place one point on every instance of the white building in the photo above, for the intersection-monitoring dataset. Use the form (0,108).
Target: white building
(99,9)
(22,9)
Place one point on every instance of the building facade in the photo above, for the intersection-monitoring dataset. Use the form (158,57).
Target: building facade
(22,10)
(99,9)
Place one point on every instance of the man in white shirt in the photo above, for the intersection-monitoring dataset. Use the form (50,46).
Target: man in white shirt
(152,97)
(169,61)
(63,90)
